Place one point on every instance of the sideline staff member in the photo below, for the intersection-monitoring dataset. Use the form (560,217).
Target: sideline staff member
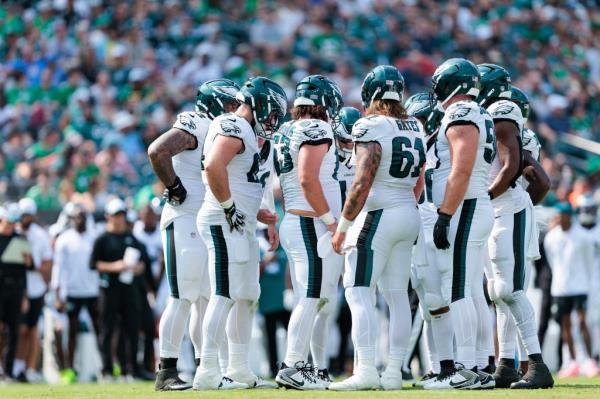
(119,256)
(15,258)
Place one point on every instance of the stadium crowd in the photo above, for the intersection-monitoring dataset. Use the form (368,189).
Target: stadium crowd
(86,86)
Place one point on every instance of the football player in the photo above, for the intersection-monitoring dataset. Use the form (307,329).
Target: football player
(465,150)
(227,224)
(175,157)
(307,164)
(390,153)
(513,239)
(425,277)
(343,139)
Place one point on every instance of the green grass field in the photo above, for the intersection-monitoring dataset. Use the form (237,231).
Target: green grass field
(580,388)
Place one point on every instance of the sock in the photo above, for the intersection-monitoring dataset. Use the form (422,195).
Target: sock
(320,333)
(239,332)
(484,343)
(443,335)
(507,362)
(524,316)
(300,330)
(364,325)
(224,354)
(168,363)
(195,328)
(400,327)
(213,327)
(197,361)
(465,330)
(432,355)
(172,327)
(446,366)
(507,330)
(491,361)
(536,358)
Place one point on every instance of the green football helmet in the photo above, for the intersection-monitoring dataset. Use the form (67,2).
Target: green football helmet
(454,77)
(518,97)
(495,83)
(214,94)
(384,82)
(420,106)
(343,131)
(320,90)
(268,102)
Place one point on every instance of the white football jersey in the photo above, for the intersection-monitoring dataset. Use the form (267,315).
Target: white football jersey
(288,141)
(514,199)
(461,113)
(345,175)
(266,170)
(244,183)
(531,143)
(188,166)
(427,210)
(402,156)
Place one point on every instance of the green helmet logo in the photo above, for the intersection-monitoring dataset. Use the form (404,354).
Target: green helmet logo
(320,90)
(214,94)
(268,102)
(518,97)
(456,76)
(384,82)
(420,106)
(495,83)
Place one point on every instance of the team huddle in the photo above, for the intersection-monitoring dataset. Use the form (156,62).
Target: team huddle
(436,191)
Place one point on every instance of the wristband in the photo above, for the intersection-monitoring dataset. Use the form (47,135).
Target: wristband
(327,218)
(227,203)
(344,224)
(491,195)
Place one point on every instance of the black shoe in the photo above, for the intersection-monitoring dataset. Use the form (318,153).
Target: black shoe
(537,376)
(323,375)
(407,375)
(490,369)
(168,380)
(505,376)
(22,377)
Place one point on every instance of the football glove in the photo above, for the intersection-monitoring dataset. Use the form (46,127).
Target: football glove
(235,219)
(441,229)
(175,194)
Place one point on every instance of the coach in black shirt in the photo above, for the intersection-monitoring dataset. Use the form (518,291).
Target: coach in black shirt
(117,275)
(15,259)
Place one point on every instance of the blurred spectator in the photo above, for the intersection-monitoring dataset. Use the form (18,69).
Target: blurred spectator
(570,252)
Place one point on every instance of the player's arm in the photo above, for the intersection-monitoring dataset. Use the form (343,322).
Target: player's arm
(509,153)
(223,150)
(368,158)
(462,141)
(310,158)
(161,152)
(539,182)
(420,185)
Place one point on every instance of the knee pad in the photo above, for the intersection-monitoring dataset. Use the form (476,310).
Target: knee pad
(503,290)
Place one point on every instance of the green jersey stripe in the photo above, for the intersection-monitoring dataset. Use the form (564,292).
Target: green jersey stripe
(315,263)
(364,261)
(221,261)
(459,256)
(519,250)
(171,260)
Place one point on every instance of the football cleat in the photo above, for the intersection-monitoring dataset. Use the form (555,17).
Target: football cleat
(427,378)
(302,377)
(391,379)
(252,380)
(168,380)
(486,379)
(323,376)
(458,379)
(363,380)
(537,376)
(505,375)
(211,379)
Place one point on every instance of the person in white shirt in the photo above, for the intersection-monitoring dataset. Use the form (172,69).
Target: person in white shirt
(76,284)
(570,253)
(28,351)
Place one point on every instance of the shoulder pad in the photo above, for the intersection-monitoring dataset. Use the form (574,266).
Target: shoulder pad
(365,129)
(505,109)
(311,130)
(530,140)
(462,110)
(286,129)
(190,121)
(228,125)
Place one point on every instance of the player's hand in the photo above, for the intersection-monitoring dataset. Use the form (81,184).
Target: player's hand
(235,219)
(175,194)
(332,227)
(441,229)
(266,217)
(337,242)
(273,237)
(59,305)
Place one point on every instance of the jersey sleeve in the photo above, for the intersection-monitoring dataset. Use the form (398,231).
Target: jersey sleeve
(193,123)
(366,129)
(530,141)
(507,111)
(313,132)
(461,113)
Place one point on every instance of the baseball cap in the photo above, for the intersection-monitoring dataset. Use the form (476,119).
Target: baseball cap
(114,206)
(27,206)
